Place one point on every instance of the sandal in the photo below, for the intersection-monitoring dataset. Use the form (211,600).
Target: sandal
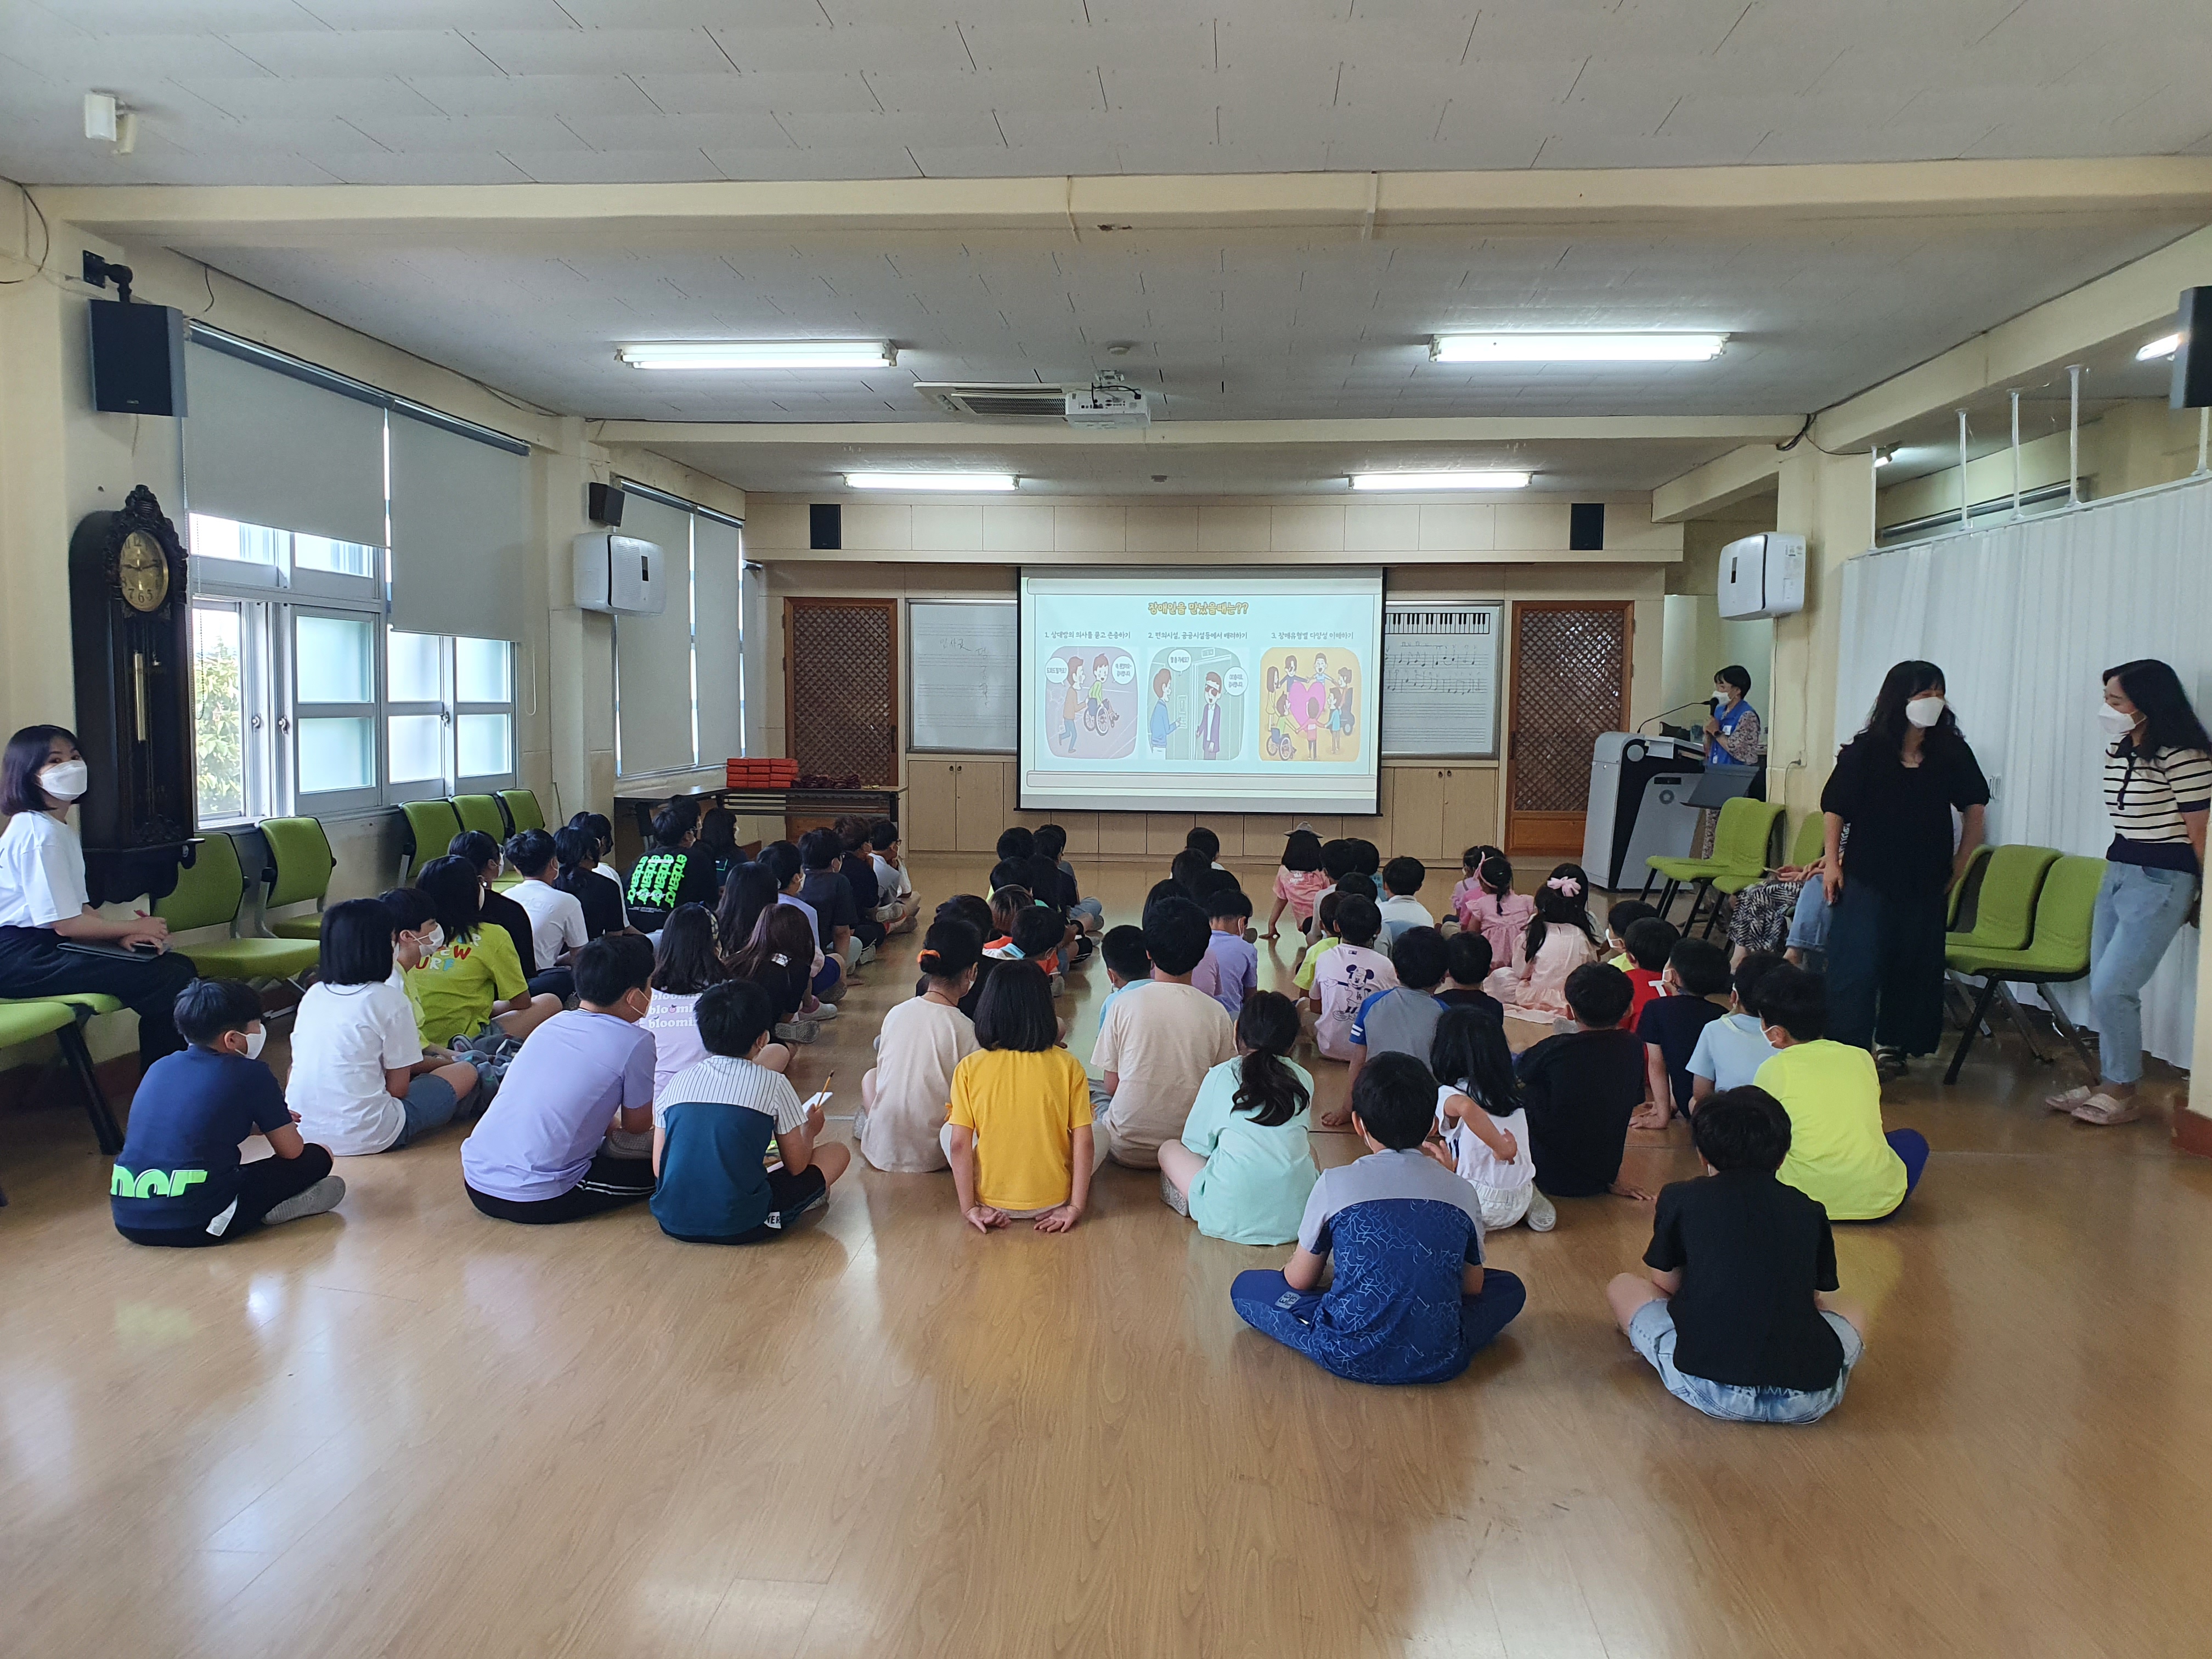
(2105,1112)
(2071,1098)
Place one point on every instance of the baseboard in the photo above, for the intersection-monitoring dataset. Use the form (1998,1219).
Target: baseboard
(2192,1133)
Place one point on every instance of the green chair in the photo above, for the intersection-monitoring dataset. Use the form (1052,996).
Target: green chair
(430,827)
(523,812)
(1811,841)
(299,865)
(209,891)
(1738,850)
(23,1022)
(2057,951)
(1966,891)
(482,813)
(1805,848)
(2012,878)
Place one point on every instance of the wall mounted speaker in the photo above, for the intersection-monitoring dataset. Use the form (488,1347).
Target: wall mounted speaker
(1586,527)
(2192,364)
(137,359)
(825,526)
(602,503)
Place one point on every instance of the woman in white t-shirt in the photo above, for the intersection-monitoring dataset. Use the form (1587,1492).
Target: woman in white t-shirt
(905,1099)
(687,964)
(1480,1123)
(46,910)
(362,1081)
(557,930)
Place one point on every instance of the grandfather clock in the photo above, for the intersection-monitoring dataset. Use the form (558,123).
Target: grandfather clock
(130,618)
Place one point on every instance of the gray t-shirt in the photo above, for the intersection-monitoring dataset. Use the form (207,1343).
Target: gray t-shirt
(1400,1020)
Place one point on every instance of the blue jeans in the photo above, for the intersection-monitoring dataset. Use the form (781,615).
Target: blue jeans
(429,1104)
(1651,1333)
(1808,923)
(1264,1300)
(2138,913)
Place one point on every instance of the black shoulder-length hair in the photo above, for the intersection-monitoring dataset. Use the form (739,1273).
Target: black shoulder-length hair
(2148,683)
(28,751)
(356,947)
(1886,722)
(1015,1010)
(456,895)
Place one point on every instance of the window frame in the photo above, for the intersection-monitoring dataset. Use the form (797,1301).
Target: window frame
(693,512)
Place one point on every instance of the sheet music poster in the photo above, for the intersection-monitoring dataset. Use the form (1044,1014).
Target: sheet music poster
(1440,679)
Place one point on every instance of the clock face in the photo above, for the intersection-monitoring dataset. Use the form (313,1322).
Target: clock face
(142,573)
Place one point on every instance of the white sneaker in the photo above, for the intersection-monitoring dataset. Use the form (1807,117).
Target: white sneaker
(797,1031)
(326,1194)
(1171,1196)
(822,1011)
(1543,1214)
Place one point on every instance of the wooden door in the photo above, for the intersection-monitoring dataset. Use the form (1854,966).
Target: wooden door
(979,793)
(930,822)
(840,687)
(1470,811)
(1571,664)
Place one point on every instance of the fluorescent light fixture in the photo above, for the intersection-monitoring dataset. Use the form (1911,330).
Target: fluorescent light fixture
(958,481)
(759,354)
(2165,346)
(1440,480)
(1576,347)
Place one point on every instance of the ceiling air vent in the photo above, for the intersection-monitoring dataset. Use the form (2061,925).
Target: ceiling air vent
(1018,401)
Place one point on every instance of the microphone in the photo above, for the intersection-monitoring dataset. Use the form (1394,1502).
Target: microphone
(1708,704)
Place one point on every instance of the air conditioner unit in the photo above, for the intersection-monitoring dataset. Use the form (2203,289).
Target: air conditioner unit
(1762,576)
(1110,406)
(620,574)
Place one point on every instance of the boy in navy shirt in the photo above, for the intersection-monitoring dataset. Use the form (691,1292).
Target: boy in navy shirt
(1410,1300)
(178,1180)
(1697,973)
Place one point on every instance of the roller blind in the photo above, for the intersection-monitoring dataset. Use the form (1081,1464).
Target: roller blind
(755,612)
(716,565)
(263,447)
(460,533)
(653,654)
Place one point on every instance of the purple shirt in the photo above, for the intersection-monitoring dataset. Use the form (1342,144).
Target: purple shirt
(1229,972)
(537,1138)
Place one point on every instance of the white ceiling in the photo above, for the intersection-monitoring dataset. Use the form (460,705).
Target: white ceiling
(495,91)
(1250,327)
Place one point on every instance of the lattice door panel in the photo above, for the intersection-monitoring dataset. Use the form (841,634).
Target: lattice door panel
(841,673)
(1571,675)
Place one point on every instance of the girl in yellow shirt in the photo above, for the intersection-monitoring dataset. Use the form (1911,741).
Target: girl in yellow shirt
(1018,1135)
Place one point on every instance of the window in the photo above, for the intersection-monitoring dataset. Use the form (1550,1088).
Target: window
(678,676)
(307,700)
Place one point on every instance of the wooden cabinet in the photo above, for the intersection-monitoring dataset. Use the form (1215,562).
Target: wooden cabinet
(1436,812)
(1166,832)
(928,825)
(1470,817)
(956,805)
(1121,835)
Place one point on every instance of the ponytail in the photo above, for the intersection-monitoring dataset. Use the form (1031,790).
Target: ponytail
(1266,1087)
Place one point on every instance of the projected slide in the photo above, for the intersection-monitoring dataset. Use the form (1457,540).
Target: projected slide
(1198,690)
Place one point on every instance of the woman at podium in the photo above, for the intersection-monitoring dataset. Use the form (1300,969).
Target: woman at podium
(1733,737)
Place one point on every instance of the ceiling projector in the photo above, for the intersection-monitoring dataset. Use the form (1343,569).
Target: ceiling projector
(1109,404)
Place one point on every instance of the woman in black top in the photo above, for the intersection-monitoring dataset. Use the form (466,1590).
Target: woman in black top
(1895,786)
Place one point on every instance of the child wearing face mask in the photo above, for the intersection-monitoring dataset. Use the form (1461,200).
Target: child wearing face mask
(179,1180)
(545,1149)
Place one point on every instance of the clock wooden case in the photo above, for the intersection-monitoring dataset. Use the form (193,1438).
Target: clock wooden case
(131,620)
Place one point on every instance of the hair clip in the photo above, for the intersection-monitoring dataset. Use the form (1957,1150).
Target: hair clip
(1566,884)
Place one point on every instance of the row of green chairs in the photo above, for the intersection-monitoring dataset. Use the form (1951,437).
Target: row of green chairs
(1741,842)
(431,825)
(63,1017)
(2032,911)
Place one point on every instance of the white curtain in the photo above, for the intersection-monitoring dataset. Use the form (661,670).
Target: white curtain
(2022,618)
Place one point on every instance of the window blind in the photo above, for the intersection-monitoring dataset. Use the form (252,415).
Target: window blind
(461,545)
(266,448)
(716,569)
(653,654)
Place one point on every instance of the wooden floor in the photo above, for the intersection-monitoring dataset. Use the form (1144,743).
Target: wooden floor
(406,1430)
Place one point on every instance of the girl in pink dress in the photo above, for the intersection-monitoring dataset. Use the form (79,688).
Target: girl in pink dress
(1557,942)
(1486,903)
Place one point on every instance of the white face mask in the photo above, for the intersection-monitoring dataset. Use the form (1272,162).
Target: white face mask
(65,780)
(254,1041)
(433,937)
(1924,712)
(2115,723)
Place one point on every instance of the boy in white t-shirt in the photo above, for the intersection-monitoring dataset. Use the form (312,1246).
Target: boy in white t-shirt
(1351,973)
(557,919)
(906,1096)
(898,905)
(1154,1051)
(362,1081)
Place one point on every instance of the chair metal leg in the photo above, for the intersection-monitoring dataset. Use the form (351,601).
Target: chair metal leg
(2072,1033)
(105,1129)
(1649,875)
(2026,1028)
(1973,1025)
(1721,900)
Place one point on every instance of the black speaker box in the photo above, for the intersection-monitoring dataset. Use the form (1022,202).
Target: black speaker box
(1586,527)
(137,359)
(2192,364)
(604,503)
(825,526)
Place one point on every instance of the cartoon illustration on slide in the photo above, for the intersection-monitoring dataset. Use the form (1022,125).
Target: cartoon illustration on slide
(1089,705)
(1198,704)
(1306,697)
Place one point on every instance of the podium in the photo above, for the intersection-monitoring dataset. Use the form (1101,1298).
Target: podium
(1640,805)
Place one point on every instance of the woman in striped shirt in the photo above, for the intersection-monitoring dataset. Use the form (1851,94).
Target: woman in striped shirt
(2158,786)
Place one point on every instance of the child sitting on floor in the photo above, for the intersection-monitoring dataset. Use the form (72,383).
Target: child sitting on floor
(1300,881)
(1735,1314)
(1732,1049)
(1128,965)
(1242,1167)
(1486,903)
(1839,1153)
(1354,971)
(1404,1018)
(1672,1023)
(1467,963)
(906,1094)
(362,1081)
(1582,1087)
(1557,942)
(1402,880)
(1410,1300)
(1154,1049)
(179,1180)
(1483,1130)
(1311,954)
(1230,969)
(1617,921)
(1649,942)
(710,1133)
(970,909)
(1018,1132)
